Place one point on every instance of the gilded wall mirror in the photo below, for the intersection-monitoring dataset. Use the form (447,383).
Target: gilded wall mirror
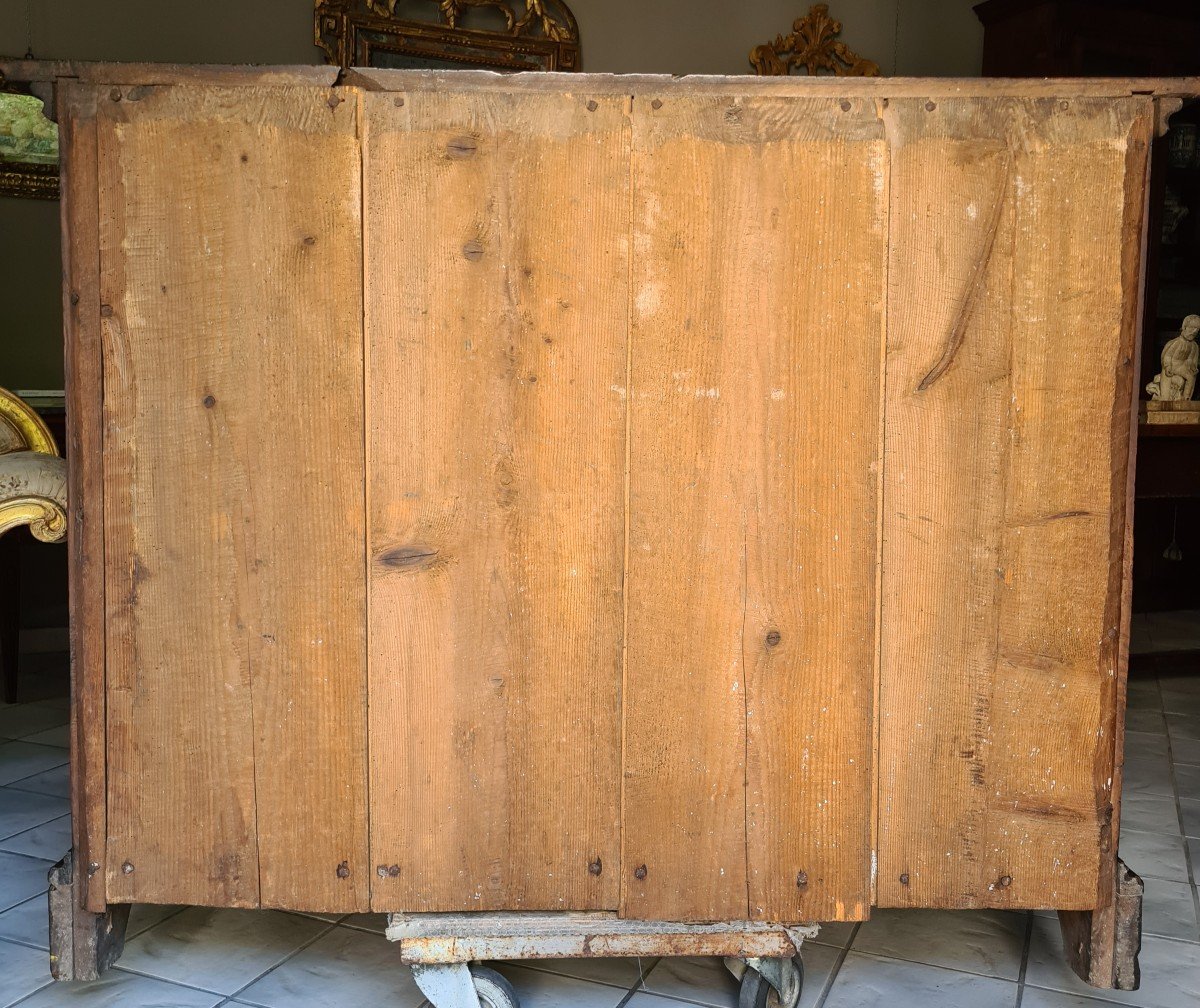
(812,47)
(448,34)
(28,145)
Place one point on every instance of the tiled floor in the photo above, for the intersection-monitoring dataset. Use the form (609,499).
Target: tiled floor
(199,958)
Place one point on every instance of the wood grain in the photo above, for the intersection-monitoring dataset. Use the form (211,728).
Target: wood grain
(497,237)
(83,376)
(760,235)
(231,289)
(1004,472)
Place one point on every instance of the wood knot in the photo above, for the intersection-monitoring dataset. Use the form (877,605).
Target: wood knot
(413,557)
(462,147)
(473,250)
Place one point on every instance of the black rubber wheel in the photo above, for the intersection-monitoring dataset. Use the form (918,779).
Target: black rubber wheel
(755,992)
(494,991)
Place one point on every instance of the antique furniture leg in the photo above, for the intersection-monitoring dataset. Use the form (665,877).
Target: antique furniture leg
(82,944)
(1102,946)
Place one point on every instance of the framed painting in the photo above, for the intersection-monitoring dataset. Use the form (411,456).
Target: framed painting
(28,146)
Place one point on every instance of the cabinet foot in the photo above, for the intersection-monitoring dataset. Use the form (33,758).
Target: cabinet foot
(82,944)
(1102,946)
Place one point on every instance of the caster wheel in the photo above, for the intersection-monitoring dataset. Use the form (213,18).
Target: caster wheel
(493,990)
(756,992)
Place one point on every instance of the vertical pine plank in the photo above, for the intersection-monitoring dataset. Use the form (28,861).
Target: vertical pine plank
(760,231)
(231,279)
(496,237)
(1006,446)
(83,374)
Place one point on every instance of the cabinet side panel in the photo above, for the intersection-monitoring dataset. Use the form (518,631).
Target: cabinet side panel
(496,300)
(760,244)
(231,311)
(1006,445)
(84,378)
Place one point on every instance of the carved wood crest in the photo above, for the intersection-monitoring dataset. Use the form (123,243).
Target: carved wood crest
(481,34)
(812,44)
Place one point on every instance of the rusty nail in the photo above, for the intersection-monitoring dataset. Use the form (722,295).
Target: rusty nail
(394,871)
(596,867)
(398,102)
(656,104)
(473,250)
(115,94)
(904,879)
(209,401)
(846,106)
(801,880)
(334,101)
(930,106)
(127,868)
(343,870)
(106,311)
(639,872)
(74,297)
(381,871)
(592,106)
(773,638)
(93,867)
(1005,881)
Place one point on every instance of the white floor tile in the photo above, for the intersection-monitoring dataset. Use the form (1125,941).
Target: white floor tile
(703,980)
(1187,781)
(118,989)
(1036,997)
(1190,811)
(344,967)
(22,971)
(23,810)
(56,782)
(613,971)
(1152,721)
(835,933)
(866,981)
(1169,910)
(1148,776)
(60,736)
(1158,855)
(23,720)
(28,922)
(49,841)
(973,941)
(1151,813)
(538,989)
(21,878)
(1140,745)
(376,922)
(22,759)
(143,916)
(1170,970)
(219,950)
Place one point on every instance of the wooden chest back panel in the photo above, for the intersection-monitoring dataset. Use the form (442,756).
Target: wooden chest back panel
(760,237)
(230,253)
(1010,343)
(497,235)
(507,490)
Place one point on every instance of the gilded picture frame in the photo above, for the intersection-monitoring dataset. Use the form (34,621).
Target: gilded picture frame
(28,145)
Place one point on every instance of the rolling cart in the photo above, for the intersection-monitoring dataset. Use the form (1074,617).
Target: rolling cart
(446,951)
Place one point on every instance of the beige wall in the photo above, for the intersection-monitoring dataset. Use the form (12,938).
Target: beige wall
(910,37)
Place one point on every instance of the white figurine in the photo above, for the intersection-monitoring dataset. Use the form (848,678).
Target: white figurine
(1180,361)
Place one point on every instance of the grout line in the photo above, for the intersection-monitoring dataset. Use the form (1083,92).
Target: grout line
(8,940)
(1024,959)
(288,958)
(529,965)
(26,997)
(837,966)
(30,857)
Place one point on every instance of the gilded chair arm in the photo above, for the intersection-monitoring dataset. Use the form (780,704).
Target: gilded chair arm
(33,492)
